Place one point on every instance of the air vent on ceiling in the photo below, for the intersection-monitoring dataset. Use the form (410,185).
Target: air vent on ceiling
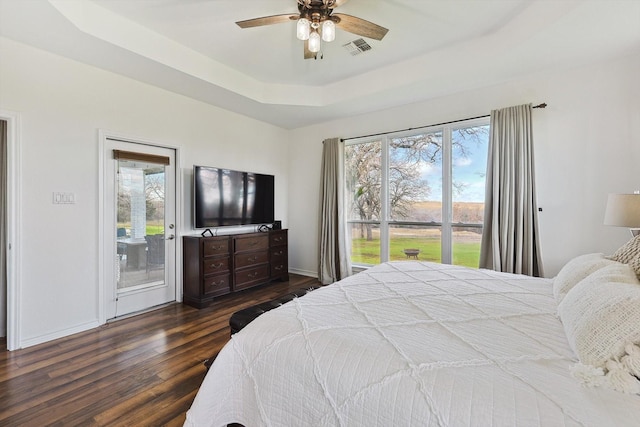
(357,46)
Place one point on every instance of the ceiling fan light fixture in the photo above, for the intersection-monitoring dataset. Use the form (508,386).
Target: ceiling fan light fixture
(316,22)
(328,31)
(314,42)
(303,29)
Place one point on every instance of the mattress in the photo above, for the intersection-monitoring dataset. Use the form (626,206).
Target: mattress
(408,344)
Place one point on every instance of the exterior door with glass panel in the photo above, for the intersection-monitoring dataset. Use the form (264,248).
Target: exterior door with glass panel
(142,222)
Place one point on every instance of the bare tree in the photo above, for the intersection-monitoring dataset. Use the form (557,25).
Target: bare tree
(363,168)
(124,206)
(154,193)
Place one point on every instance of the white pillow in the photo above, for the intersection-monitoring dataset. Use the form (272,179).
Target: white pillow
(575,270)
(601,315)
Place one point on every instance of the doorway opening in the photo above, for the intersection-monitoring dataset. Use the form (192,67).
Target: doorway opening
(4,243)
(10,240)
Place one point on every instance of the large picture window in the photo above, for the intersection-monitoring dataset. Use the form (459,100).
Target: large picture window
(417,195)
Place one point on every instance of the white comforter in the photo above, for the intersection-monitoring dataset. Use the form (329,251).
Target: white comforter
(408,343)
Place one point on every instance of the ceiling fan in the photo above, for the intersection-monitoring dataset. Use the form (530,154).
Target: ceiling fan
(316,21)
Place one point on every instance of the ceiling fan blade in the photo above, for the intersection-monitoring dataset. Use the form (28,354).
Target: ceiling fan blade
(307,53)
(338,3)
(268,20)
(360,26)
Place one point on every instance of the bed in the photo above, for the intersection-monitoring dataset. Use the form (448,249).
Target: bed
(413,343)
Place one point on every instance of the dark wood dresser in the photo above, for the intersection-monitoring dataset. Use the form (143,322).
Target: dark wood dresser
(214,266)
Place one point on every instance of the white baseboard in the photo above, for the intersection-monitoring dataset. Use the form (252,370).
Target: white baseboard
(58,334)
(304,272)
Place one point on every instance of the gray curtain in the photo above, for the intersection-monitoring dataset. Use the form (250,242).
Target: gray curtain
(510,239)
(3,226)
(333,256)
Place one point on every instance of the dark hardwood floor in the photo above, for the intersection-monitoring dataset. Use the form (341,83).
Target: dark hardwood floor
(140,371)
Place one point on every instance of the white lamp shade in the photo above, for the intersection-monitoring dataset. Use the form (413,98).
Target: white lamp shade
(623,210)
(302,29)
(314,42)
(328,31)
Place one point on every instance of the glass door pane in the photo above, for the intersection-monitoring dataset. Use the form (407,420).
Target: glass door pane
(140,230)
(363,172)
(469,166)
(415,178)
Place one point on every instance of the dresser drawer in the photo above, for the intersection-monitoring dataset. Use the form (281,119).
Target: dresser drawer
(215,246)
(251,276)
(279,254)
(254,242)
(217,285)
(280,269)
(277,238)
(215,265)
(247,259)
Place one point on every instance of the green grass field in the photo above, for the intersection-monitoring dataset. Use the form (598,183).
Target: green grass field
(151,229)
(368,252)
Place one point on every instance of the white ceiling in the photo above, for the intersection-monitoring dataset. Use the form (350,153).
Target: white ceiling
(433,48)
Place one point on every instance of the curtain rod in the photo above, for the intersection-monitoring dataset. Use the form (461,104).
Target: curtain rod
(543,105)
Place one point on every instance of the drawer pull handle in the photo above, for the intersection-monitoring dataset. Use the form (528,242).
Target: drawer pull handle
(216,248)
(280,252)
(218,265)
(252,259)
(221,282)
(278,267)
(278,239)
(252,275)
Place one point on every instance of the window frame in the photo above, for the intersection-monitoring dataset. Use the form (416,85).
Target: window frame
(446,225)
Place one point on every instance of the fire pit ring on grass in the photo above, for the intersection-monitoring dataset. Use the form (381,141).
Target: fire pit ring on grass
(412,253)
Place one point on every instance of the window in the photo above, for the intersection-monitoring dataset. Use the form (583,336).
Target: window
(418,195)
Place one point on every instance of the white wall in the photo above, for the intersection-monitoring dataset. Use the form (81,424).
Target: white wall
(587,145)
(62,104)
(586,141)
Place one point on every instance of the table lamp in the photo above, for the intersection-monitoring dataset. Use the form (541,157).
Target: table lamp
(623,210)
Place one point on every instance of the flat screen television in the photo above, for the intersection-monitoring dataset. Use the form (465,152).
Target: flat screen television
(223,197)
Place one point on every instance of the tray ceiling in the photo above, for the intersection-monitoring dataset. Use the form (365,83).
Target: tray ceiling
(433,48)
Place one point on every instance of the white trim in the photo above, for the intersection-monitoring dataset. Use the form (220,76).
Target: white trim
(102,138)
(179,202)
(446,249)
(60,334)
(385,212)
(307,273)
(14,226)
(103,135)
(141,288)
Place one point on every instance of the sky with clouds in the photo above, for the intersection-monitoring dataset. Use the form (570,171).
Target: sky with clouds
(468,171)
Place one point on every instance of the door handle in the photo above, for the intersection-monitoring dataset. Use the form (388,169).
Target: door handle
(171,237)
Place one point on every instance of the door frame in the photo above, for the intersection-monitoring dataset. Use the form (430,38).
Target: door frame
(14,225)
(103,135)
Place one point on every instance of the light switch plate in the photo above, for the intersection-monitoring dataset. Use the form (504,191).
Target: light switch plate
(64,198)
